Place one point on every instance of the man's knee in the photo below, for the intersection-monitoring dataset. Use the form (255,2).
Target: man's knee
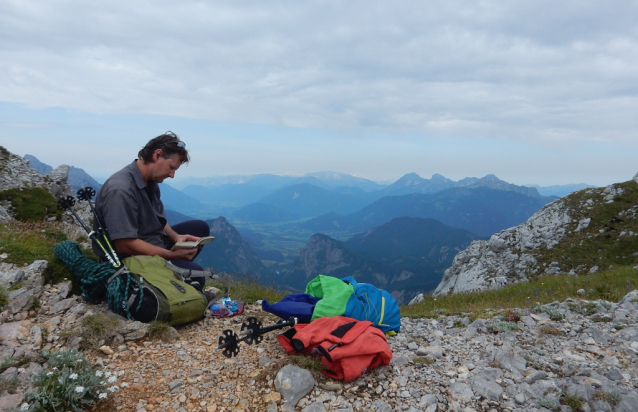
(196,227)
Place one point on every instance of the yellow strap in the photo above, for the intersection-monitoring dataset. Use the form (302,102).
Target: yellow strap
(382,310)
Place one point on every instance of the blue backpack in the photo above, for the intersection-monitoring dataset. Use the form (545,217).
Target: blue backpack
(376,305)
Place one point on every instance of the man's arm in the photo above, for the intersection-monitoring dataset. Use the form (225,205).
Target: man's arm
(140,247)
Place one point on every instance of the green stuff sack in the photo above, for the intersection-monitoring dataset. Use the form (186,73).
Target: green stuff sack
(160,294)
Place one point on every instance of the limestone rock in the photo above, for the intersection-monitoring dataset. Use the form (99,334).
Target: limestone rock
(293,383)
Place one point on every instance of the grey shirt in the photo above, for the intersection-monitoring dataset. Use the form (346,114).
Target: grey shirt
(131,208)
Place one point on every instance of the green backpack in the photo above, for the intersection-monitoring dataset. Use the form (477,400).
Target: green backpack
(158,293)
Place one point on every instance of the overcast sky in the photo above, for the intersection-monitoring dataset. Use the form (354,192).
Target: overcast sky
(539,92)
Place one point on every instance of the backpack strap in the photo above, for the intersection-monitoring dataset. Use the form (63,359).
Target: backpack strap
(188,273)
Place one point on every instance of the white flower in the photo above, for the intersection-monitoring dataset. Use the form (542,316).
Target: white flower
(54,369)
(112,379)
(103,395)
(24,407)
(120,373)
(124,384)
(49,373)
(107,374)
(98,374)
(79,389)
(113,388)
(73,376)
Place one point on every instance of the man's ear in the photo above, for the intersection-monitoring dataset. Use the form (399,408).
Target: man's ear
(157,154)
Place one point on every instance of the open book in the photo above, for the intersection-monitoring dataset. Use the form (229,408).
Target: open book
(187,245)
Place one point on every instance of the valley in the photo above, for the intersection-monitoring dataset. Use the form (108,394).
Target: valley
(286,230)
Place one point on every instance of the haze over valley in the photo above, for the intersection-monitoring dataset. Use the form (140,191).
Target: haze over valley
(285,230)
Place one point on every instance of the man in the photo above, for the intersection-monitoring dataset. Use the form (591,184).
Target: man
(129,205)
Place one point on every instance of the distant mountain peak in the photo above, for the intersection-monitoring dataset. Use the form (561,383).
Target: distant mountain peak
(409,179)
(437,176)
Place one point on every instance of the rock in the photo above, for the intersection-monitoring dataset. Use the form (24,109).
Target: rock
(435,351)
(460,392)
(628,403)
(10,401)
(316,406)
(486,388)
(272,397)
(106,350)
(417,299)
(293,383)
(583,224)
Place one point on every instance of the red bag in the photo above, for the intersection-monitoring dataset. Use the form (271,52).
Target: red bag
(348,347)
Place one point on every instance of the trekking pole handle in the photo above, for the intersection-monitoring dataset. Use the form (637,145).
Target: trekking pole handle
(67,203)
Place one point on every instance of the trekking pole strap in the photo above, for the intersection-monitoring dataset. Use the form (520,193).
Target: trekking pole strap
(188,273)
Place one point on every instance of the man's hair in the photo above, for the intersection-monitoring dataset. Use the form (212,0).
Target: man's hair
(168,143)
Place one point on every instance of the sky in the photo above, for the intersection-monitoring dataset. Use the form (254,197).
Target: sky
(540,92)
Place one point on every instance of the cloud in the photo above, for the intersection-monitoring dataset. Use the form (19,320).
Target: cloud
(543,72)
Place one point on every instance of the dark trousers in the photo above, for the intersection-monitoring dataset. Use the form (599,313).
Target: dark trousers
(197,228)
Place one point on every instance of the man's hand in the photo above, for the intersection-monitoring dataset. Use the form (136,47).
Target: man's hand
(183,253)
(184,238)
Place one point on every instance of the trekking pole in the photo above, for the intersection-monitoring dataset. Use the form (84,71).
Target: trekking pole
(66,203)
(253,332)
(87,193)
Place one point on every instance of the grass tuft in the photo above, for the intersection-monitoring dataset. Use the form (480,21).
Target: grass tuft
(4,297)
(571,399)
(551,330)
(158,330)
(249,290)
(98,328)
(306,362)
(502,326)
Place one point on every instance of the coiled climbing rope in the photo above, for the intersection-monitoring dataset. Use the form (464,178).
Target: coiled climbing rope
(93,277)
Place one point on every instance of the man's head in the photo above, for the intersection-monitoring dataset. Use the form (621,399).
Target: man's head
(161,157)
(166,146)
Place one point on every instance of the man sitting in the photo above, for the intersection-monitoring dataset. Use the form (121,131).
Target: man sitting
(130,207)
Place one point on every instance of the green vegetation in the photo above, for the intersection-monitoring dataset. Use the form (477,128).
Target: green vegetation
(551,330)
(32,204)
(552,404)
(571,399)
(502,326)
(535,295)
(601,243)
(97,328)
(69,383)
(249,290)
(4,297)
(306,362)
(4,156)
(553,313)
(158,330)
(25,243)
(424,361)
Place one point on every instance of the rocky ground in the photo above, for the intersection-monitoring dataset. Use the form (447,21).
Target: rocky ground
(586,357)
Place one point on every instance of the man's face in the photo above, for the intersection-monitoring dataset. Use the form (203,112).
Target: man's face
(162,168)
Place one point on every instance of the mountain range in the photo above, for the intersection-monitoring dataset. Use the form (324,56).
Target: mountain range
(480,210)
(400,236)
